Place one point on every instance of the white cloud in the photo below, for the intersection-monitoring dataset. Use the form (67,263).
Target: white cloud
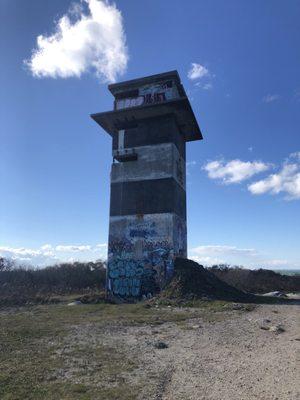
(49,255)
(100,245)
(232,255)
(46,247)
(234,171)
(91,41)
(218,249)
(295,155)
(216,254)
(189,166)
(278,263)
(207,86)
(286,181)
(197,71)
(204,86)
(269,98)
(25,256)
(73,248)
(206,255)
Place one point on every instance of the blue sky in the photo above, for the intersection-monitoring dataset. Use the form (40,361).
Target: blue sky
(239,62)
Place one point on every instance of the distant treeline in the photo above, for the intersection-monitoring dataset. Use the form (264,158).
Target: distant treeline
(19,285)
(258,280)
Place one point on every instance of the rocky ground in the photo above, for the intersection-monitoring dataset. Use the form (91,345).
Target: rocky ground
(214,351)
(242,356)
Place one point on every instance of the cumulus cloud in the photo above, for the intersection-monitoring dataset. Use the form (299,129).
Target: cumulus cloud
(27,256)
(89,38)
(197,71)
(100,246)
(269,98)
(286,181)
(234,171)
(48,254)
(295,155)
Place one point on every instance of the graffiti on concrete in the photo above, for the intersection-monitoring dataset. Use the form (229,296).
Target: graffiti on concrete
(132,277)
(142,230)
(149,94)
(140,261)
(180,244)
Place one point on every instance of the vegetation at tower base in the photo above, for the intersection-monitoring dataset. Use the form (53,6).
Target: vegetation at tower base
(21,285)
(258,280)
(192,281)
(86,282)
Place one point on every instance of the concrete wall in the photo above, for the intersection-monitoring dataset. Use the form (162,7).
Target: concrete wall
(155,196)
(152,132)
(148,94)
(147,207)
(142,251)
(154,162)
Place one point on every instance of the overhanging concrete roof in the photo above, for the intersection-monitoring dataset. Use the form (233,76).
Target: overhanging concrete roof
(115,88)
(112,121)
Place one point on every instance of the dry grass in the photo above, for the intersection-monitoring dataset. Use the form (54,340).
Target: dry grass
(42,355)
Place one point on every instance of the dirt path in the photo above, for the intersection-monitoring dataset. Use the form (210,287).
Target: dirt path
(230,359)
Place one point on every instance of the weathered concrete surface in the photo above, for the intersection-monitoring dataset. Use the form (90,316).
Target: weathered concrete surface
(150,124)
(154,162)
(142,250)
(149,196)
(152,132)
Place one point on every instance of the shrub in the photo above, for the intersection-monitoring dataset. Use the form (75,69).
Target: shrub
(62,278)
(256,281)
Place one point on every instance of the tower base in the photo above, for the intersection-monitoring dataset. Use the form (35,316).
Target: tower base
(141,252)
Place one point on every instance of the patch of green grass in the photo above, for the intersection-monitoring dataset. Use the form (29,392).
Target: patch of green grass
(205,305)
(30,367)
(42,358)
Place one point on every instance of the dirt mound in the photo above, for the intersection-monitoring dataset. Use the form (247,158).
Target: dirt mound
(193,281)
(257,281)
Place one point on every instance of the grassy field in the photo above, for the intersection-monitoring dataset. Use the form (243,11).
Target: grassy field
(47,352)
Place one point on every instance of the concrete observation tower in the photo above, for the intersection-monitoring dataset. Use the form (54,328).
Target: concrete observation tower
(150,124)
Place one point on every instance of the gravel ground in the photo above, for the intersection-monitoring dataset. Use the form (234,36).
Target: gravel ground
(242,356)
(134,352)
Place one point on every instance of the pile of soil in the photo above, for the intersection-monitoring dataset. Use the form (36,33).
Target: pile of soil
(192,281)
(257,281)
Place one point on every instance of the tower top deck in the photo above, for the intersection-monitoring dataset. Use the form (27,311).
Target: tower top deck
(151,83)
(150,97)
